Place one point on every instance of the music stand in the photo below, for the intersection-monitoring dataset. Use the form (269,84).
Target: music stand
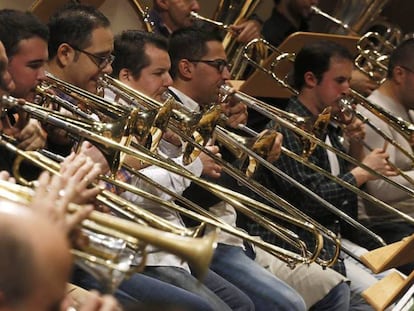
(389,289)
(260,84)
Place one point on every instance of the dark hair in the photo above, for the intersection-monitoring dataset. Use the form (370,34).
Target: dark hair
(316,58)
(73,24)
(402,55)
(190,43)
(16,26)
(129,50)
(16,266)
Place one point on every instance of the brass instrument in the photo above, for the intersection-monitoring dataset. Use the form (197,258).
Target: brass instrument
(144,15)
(232,12)
(235,199)
(253,103)
(373,56)
(353,16)
(197,251)
(204,131)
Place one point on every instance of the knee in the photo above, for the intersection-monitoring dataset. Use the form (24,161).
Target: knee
(338,298)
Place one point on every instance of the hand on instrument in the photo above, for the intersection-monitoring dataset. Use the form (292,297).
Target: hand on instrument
(362,83)
(32,136)
(247,30)
(236,113)
(80,171)
(52,198)
(4,175)
(210,167)
(96,155)
(92,301)
(355,130)
(276,150)
(377,161)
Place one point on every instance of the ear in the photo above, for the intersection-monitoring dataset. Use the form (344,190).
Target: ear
(310,79)
(65,54)
(398,74)
(124,75)
(186,68)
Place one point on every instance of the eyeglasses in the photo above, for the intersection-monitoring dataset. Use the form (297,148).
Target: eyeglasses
(219,64)
(100,61)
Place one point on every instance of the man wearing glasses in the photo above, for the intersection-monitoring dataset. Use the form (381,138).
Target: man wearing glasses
(198,71)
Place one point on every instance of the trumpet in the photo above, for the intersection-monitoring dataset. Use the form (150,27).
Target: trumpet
(235,199)
(197,251)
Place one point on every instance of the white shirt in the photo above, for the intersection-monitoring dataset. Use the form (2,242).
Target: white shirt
(380,188)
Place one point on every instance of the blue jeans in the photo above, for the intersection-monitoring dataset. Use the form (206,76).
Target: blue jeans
(220,294)
(144,289)
(265,290)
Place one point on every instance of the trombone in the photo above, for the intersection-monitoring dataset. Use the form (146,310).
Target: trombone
(207,129)
(197,251)
(233,198)
(253,103)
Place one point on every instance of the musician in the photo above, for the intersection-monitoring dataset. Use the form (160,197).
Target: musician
(20,288)
(36,246)
(142,62)
(197,72)
(322,72)
(289,16)
(168,16)
(25,43)
(80,47)
(394,96)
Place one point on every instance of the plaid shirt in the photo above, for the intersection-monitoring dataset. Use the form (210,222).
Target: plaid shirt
(331,191)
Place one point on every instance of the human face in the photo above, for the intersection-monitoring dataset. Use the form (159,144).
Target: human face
(27,66)
(6,81)
(333,86)
(179,13)
(301,8)
(404,77)
(207,79)
(83,70)
(155,78)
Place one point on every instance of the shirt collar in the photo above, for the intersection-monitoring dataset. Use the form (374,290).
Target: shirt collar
(185,100)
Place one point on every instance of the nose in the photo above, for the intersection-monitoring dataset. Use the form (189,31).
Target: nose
(168,80)
(226,73)
(196,6)
(41,74)
(107,69)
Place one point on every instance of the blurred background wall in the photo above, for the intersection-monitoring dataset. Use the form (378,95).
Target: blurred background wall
(123,16)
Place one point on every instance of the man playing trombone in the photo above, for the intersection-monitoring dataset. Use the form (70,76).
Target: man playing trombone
(395,97)
(322,72)
(198,72)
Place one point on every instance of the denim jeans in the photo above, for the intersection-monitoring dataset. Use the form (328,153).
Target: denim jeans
(361,277)
(144,289)
(321,289)
(265,290)
(220,294)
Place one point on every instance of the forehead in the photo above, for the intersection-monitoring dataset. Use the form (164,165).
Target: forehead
(102,40)
(154,53)
(216,49)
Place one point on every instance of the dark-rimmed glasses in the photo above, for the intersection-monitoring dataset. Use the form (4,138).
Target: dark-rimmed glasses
(100,61)
(219,64)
